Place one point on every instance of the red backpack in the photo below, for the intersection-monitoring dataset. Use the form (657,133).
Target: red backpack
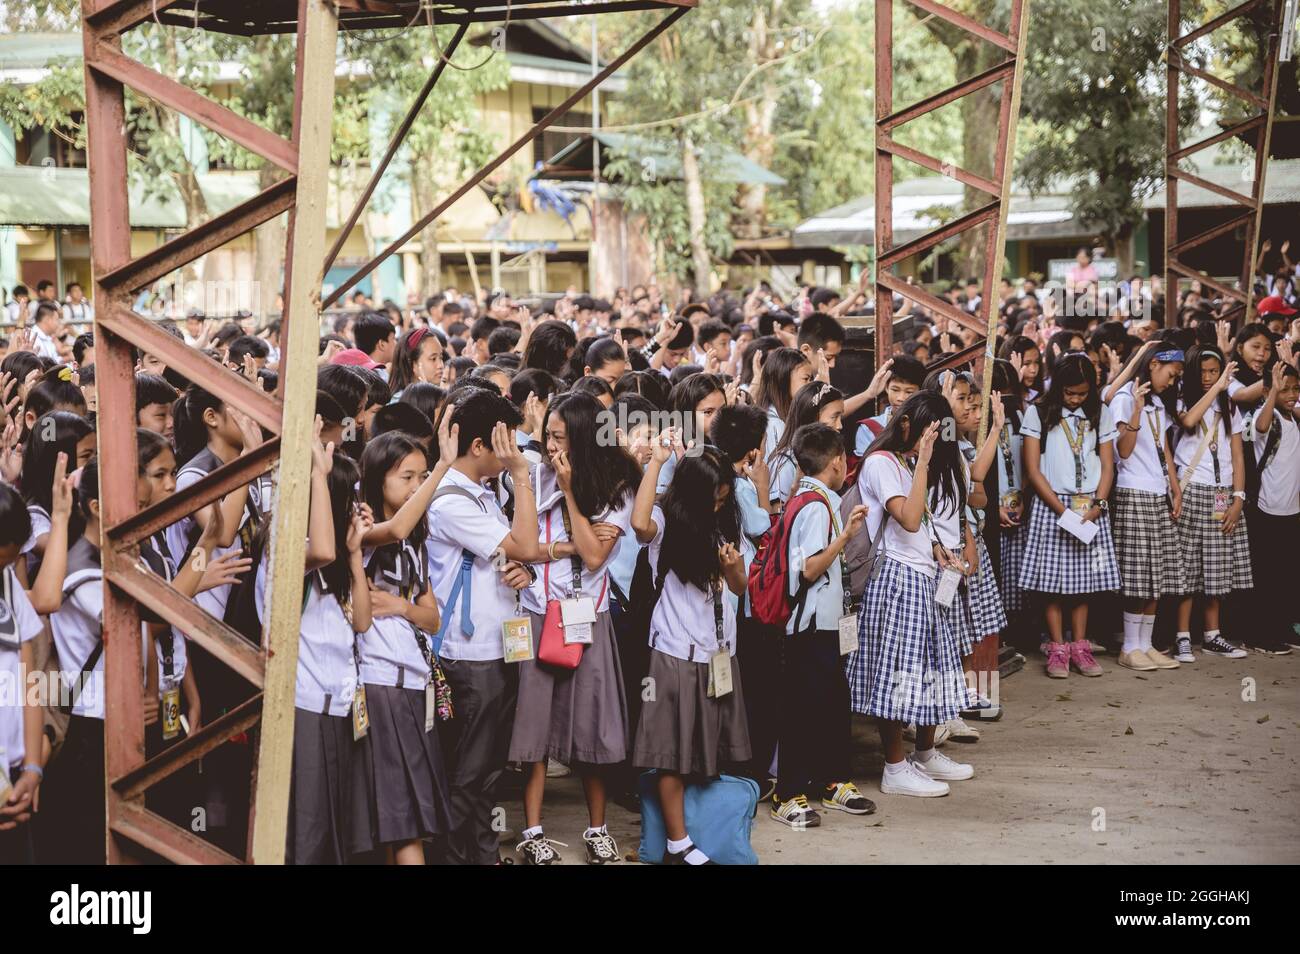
(769,574)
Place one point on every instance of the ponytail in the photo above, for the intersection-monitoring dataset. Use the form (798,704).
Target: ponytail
(189,431)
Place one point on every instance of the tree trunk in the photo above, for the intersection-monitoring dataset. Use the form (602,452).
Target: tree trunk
(422,192)
(760,144)
(695,212)
(268,252)
(979,114)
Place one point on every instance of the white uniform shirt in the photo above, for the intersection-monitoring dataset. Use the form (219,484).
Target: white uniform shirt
(814,527)
(44,345)
(1279,484)
(390,648)
(881,479)
(18,624)
(683,624)
(1057,459)
(783,469)
(1188,442)
(775,428)
(1141,470)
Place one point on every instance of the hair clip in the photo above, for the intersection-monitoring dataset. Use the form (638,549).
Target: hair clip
(65,373)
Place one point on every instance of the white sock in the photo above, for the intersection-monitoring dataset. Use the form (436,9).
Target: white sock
(1132,631)
(896,768)
(676,845)
(534,832)
(1148,627)
(1209,635)
(1183,635)
(924,755)
(602,830)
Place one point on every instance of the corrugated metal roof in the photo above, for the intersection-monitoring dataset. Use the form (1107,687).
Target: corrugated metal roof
(729,166)
(42,196)
(1281,185)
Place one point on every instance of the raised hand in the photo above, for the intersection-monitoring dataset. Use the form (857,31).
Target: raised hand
(362,520)
(322,455)
(61,497)
(563,471)
(1226,377)
(925,446)
(449,438)
(508,452)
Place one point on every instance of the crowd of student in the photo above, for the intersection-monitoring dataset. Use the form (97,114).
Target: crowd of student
(551,534)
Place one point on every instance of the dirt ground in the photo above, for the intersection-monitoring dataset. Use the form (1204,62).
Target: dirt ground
(1155,768)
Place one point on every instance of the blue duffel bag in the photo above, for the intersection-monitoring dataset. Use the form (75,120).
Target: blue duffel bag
(719,818)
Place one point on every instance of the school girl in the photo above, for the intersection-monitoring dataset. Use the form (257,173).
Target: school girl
(577,716)
(58,433)
(606,359)
(418,357)
(1147,503)
(907,668)
(1013,500)
(1275,509)
(815,403)
(1025,358)
(1212,526)
(693,404)
(22,753)
(697,721)
(1069,458)
(399,793)
(785,371)
(1252,353)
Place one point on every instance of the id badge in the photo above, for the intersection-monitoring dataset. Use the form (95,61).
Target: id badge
(360,714)
(719,674)
(430,705)
(171,712)
(946,592)
(1012,500)
(1080,503)
(578,615)
(848,634)
(517,639)
(1222,498)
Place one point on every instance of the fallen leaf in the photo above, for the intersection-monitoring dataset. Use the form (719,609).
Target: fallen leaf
(1262,719)
(1128,731)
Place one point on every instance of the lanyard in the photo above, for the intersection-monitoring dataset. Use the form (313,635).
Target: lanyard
(1074,437)
(926,520)
(575,562)
(1004,441)
(1214,448)
(1155,439)
(846,581)
(716,590)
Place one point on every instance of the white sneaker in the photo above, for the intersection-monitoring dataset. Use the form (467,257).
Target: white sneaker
(942,768)
(941,733)
(959,731)
(556,769)
(911,781)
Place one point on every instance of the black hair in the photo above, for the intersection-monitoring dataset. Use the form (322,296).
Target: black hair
(532,381)
(401,371)
(907,369)
(506,360)
(594,386)
(1254,329)
(651,385)
(226,334)
(483,376)
(822,296)
(478,414)
(682,372)
(347,385)
(503,339)
(483,328)
(806,408)
(765,344)
(1072,369)
(911,347)
(268,380)
(19,364)
(55,433)
(816,446)
(424,397)
(342,482)
(152,389)
(51,391)
(604,474)
(686,396)
(460,366)
(817,329)
(946,476)
(86,375)
(83,343)
(1168,398)
(1057,346)
(381,455)
(774,383)
(693,530)
(15,521)
(1193,390)
(737,430)
(684,338)
(247,344)
(401,417)
(370,330)
(632,410)
(472,382)
(377,390)
(329,409)
(189,432)
(43,308)
(148,445)
(604,351)
(326,339)
(710,330)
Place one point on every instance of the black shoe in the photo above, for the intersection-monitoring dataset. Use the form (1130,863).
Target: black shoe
(679,857)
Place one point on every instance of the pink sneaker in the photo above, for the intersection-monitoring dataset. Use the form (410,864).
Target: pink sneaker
(1058,660)
(1081,659)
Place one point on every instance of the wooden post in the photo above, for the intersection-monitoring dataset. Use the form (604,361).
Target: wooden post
(318,33)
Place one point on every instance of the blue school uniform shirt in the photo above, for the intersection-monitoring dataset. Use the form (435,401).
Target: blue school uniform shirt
(864,436)
(754,522)
(1057,460)
(814,527)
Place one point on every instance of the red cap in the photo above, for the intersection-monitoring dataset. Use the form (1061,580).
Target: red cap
(1274,305)
(355,356)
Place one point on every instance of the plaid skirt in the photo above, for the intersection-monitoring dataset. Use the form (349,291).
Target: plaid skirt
(907,667)
(1216,563)
(1147,544)
(987,614)
(1012,555)
(1057,563)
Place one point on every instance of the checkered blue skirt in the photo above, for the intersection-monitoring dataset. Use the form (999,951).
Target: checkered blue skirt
(958,620)
(1056,562)
(1216,563)
(1147,544)
(1011,556)
(907,667)
(987,614)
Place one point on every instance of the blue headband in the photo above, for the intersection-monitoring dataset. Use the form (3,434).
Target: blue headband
(1171,355)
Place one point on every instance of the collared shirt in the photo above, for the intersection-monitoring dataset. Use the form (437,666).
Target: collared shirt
(682,624)
(390,648)
(44,345)
(775,428)
(1221,450)
(1142,469)
(1279,483)
(881,479)
(479,526)
(18,624)
(865,435)
(813,529)
(783,469)
(1057,461)
(80,312)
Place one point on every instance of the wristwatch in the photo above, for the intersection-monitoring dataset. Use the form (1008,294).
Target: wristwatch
(1239,494)
(1101,503)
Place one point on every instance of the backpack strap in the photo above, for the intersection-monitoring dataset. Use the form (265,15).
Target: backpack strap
(70,585)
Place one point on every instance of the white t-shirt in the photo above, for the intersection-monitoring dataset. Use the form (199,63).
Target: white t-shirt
(18,624)
(1142,469)
(1188,442)
(1279,484)
(44,345)
(326,665)
(881,479)
(812,531)
(479,526)
(683,624)
(1057,459)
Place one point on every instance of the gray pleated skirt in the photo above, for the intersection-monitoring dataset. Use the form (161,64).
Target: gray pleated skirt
(399,782)
(683,730)
(320,793)
(572,715)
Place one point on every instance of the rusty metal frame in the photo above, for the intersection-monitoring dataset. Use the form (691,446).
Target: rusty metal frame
(990,217)
(133,831)
(1260,125)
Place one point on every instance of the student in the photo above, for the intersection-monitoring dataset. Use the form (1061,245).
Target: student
(671,345)
(584,492)
(606,359)
(375,338)
(1252,352)
(550,346)
(694,538)
(47,324)
(1275,509)
(1026,360)
(56,435)
(1147,504)
(904,377)
(1069,457)
(817,402)
(399,788)
(785,371)
(477,559)
(693,404)
(154,399)
(1013,500)
(906,669)
(21,722)
(1212,526)
(815,734)
(418,357)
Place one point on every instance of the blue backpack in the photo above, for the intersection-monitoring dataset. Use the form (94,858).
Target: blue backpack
(719,817)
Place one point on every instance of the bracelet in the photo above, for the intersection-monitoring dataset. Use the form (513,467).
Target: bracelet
(550,551)
(32,767)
